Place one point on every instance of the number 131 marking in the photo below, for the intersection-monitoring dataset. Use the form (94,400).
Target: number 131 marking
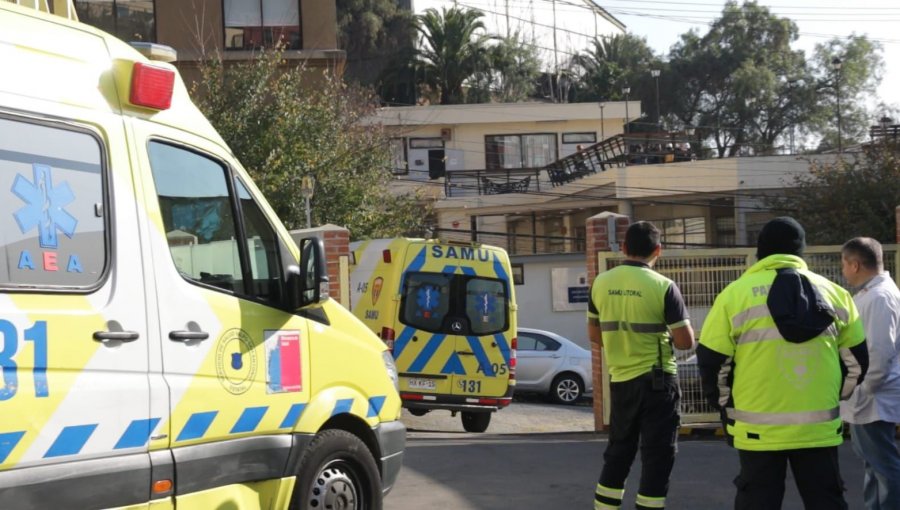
(10,343)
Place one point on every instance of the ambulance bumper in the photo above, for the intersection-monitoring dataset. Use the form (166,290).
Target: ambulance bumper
(391,442)
(430,401)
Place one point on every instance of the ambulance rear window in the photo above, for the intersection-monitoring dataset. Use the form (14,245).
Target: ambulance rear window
(455,304)
(52,225)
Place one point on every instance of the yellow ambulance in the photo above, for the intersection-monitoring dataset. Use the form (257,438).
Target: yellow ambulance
(447,312)
(163,342)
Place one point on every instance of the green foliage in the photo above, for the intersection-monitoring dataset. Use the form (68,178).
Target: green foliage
(855,196)
(616,62)
(373,32)
(281,132)
(452,50)
(514,67)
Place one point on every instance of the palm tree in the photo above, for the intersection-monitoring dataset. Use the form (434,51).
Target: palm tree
(614,62)
(452,50)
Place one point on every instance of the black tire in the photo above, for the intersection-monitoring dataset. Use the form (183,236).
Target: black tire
(566,389)
(418,412)
(476,421)
(338,471)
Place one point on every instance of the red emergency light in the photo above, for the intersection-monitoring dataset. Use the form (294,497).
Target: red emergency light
(152,86)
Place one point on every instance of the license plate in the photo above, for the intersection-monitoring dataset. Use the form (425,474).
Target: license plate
(422,384)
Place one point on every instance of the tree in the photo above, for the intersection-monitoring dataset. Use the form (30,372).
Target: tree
(513,69)
(613,63)
(281,133)
(854,196)
(452,50)
(373,32)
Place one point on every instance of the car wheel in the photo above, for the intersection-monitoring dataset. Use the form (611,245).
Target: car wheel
(566,389)
(418,412)
(338,471)
(475,422)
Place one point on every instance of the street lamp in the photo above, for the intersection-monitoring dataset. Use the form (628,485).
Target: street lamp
(836,65)
(655,74)
(602,134)
(626,91)
(307,186)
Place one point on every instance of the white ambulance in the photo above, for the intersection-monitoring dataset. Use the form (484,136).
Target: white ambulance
(163,342)
(447,311)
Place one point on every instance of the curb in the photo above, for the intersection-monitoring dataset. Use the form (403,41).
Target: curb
(701,431)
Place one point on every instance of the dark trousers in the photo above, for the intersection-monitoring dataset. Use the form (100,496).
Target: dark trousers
(760,485)
(638,414)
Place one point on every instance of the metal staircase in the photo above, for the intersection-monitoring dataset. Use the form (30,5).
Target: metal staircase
(599,157)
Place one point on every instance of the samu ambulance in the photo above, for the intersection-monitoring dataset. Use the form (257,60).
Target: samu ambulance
(164,344)
(447,311)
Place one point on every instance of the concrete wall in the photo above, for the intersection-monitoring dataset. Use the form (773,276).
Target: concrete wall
(535,297)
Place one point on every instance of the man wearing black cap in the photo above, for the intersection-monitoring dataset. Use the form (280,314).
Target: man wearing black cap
(780,347)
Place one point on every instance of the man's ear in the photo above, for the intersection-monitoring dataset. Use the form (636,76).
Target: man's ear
(657,251)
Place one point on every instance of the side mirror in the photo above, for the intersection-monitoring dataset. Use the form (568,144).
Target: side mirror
(308,284)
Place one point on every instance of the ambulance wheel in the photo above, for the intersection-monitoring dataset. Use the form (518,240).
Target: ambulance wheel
(338,472)
(476,422)
(566,389)
(418,412)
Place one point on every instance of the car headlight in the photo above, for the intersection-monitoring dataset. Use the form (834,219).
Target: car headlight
(391,368)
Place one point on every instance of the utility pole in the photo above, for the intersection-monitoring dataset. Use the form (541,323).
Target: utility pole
(557,99)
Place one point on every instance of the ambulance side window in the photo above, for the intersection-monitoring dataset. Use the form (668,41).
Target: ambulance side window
(198,215)
(262,246)
(52,208)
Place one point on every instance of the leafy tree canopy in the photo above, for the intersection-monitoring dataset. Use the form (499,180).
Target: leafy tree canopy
(855,196)
(452,50)
(372,32)
(281,133)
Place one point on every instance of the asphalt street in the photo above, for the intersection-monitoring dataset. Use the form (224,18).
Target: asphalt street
(539,456)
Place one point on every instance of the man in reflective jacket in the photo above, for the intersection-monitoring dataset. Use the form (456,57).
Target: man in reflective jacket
(779,349)
(636,315)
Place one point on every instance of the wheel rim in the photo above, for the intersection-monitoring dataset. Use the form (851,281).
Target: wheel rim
(336,488)
(568,390)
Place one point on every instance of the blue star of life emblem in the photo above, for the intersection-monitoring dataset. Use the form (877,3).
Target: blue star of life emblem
(45,206)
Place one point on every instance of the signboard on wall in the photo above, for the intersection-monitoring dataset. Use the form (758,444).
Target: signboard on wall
(571,289)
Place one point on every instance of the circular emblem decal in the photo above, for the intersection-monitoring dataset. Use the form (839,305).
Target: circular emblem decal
(456,326)
(235,361)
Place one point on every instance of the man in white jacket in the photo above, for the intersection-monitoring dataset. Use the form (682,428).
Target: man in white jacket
(873,410)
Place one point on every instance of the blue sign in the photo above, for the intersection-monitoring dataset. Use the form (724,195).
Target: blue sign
(579,294)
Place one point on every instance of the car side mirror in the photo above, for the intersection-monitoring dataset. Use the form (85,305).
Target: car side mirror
(308,283)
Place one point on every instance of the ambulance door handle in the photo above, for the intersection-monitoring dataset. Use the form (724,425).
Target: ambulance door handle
(188,336)
(466,353)
(116,336)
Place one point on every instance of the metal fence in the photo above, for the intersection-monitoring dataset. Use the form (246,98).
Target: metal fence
(702,275)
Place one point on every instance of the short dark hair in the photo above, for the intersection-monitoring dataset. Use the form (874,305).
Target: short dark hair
(865,250)
(641,239)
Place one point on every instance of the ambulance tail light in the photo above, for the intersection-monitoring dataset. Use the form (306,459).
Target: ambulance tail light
(499,402)
(151,86)
(412,396)
(387,335)
(513,361)
(386,256)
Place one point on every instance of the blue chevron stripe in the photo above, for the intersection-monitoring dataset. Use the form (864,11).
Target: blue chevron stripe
(137,434)
(8,442)
(498,268)
(292,416)
(249,419)
(403,340)
(503,346)
(470,271)
(448,269)
(454,366)
(427,353)
(71,440)
(375,405)
(417,264)
(481,356)
(197,425)
(342,406)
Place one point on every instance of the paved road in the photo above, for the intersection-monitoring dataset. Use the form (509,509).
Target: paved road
(521,465)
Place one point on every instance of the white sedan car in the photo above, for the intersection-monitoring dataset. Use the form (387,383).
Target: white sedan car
(552,364)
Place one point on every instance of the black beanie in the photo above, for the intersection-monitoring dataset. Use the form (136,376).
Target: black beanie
(782,235)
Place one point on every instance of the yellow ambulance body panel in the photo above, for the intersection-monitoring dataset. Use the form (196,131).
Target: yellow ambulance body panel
(164,343)
(447,311)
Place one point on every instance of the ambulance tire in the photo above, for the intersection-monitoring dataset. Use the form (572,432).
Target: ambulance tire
(476,422)
(338,471)
(566,389)
(418,412)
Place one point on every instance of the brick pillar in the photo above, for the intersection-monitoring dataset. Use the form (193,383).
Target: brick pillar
(599,239)
(337,248)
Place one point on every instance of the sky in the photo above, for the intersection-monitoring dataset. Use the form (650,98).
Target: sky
(661,22)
